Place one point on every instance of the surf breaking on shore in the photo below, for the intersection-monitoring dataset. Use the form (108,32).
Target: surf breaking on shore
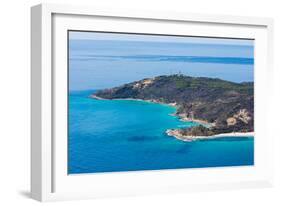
(187,138)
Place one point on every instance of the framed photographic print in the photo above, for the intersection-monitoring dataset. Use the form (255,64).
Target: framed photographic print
(134,102)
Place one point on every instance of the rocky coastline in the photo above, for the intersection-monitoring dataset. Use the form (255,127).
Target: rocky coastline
(218,106)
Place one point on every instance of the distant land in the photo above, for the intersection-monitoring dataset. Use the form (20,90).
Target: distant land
(220,106)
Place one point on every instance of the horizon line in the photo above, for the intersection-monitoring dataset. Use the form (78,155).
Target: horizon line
(161,38)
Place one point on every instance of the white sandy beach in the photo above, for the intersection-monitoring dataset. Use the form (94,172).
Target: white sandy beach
(175,134)
(96,97)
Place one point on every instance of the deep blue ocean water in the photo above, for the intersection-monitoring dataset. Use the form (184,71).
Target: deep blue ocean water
(126,135)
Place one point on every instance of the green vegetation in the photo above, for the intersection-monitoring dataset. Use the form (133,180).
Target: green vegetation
(197,131)
(228,105)
(181,84)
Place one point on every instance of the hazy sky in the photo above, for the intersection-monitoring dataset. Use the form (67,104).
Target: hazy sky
(156,38)
(107,60)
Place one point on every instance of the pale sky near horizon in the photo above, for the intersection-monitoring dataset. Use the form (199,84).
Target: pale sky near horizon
(123,58)
(156,38)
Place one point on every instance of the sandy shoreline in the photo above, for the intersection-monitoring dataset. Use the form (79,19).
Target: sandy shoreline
(132,99)
(181,118)
(173,133)
(96,97)
(184,119)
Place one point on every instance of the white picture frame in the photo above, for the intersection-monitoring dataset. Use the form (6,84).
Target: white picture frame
(49,179)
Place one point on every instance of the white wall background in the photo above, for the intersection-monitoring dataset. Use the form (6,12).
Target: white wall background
(15,95)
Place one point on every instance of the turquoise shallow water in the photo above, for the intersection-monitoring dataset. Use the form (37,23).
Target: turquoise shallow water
(126,135)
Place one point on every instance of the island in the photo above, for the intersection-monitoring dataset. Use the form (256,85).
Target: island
(221,108)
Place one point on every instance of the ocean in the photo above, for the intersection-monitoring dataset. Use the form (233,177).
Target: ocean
(129,135)
(96,64)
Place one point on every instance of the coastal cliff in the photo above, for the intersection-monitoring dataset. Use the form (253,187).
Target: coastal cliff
(220,106)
